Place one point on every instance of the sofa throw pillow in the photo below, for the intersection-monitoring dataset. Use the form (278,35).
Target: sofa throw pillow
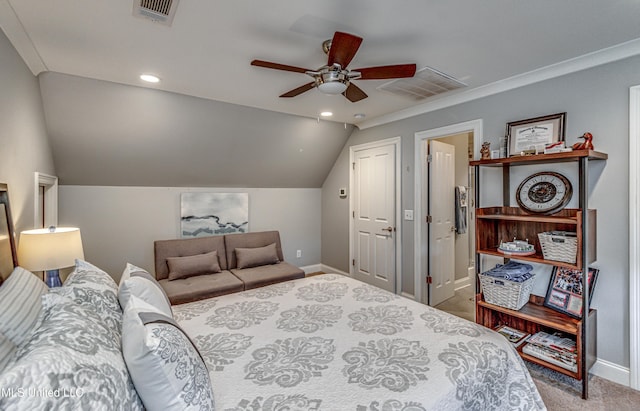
(20,305)
(192,265)
(137,282)
(165,366)
(254,257)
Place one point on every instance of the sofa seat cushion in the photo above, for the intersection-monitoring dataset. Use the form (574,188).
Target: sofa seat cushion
(200,287)
(267,274)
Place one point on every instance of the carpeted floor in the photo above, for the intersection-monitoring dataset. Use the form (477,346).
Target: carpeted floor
(559,392)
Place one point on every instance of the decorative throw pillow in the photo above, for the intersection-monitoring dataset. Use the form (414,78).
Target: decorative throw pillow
(165,366)
(76,356)
(189,266)
(20,306)
(7,349)
(253,257)
(137,282)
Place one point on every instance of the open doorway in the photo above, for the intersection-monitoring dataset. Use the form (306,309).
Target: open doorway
(445,237)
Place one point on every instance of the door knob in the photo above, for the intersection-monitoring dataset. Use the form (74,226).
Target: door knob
(389,229)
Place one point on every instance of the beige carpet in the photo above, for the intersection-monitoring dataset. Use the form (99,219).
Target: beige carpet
(559,393)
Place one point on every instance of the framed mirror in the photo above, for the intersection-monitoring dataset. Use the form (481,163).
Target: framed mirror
(8,254)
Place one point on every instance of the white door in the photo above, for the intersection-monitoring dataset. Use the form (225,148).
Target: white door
(374,216)
(442,227)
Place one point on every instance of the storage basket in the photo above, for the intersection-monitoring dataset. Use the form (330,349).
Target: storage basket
(506,293)
(559,246)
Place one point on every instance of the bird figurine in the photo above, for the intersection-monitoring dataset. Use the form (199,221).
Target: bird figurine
(586,145)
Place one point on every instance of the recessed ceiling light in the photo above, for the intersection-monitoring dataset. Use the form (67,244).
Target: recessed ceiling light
(326,114)
(359,116)
(149,78)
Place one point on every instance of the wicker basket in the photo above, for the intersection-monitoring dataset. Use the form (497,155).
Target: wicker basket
(559,246)
(505,293)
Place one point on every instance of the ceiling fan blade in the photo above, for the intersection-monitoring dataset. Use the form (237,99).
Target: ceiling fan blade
(385,72)
(277,66)
(299,90)
(343,47)
(354,93)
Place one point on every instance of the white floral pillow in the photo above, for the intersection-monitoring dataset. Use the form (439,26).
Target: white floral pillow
(136,281)
(167,369)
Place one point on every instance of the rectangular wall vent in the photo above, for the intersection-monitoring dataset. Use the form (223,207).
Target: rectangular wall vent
(425,83)
(160,11)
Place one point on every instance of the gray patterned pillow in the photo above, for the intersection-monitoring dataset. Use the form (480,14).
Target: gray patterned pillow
(20,307)
(158,354)
(94,289)
(72,362)
(138,282)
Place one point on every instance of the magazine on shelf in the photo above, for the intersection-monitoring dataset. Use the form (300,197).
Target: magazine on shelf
(515,337)
(553,341)
(561,359)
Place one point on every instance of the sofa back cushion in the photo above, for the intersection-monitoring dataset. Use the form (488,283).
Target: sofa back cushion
(250,240)
(164,249)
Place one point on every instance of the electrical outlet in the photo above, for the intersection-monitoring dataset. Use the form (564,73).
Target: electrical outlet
(408,215)
(298,253)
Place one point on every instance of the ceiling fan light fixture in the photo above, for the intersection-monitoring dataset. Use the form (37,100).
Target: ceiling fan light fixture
(332,82)
(332,88)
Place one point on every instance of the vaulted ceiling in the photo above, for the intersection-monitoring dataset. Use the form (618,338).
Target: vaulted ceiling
(223,118)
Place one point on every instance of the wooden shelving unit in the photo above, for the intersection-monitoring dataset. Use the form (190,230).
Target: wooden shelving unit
(496,224)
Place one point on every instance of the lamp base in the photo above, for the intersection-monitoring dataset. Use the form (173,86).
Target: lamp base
(52,278)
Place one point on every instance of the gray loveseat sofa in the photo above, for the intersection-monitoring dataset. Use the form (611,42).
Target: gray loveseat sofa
(197,268)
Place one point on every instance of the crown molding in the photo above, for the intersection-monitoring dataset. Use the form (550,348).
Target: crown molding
(17,35)
(607,55)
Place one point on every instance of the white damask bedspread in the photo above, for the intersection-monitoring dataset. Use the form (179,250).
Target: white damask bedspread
(332,343)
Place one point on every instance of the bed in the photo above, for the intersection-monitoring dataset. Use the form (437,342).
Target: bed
(325,342)
(333,343)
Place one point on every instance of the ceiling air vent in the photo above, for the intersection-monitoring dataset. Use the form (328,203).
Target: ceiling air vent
(427,82)
(160,11)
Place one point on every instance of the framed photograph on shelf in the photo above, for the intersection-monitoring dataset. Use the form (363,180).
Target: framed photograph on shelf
(565,290)
(534,134)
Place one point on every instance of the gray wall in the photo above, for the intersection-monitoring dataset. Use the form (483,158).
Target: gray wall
(24,146)
(111,134)
(596,100)
(119,224)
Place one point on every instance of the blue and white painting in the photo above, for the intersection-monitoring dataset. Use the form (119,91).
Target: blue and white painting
(207,214)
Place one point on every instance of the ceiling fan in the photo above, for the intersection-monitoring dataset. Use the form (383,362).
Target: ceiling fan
(335,78)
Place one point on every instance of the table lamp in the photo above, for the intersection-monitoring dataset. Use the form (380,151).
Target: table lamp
(48,250)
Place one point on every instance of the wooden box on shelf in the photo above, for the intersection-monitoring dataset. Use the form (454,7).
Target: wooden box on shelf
(534,317)
(496,224)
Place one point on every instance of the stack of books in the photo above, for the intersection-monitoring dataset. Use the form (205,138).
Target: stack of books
(553,348)
(515,337)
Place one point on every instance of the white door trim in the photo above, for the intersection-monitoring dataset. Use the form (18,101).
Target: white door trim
(50,184)
(474,126)
(397,141)
(634,237)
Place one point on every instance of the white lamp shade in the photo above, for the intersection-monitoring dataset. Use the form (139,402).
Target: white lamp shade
(42,249)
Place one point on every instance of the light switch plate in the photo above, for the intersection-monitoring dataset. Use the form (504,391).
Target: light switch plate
(408,215)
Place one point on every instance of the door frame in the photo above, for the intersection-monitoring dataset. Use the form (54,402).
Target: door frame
(397,142)
(420,167)
(634,237)
(50,184)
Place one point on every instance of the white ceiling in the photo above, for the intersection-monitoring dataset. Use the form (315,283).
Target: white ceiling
(207,51)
